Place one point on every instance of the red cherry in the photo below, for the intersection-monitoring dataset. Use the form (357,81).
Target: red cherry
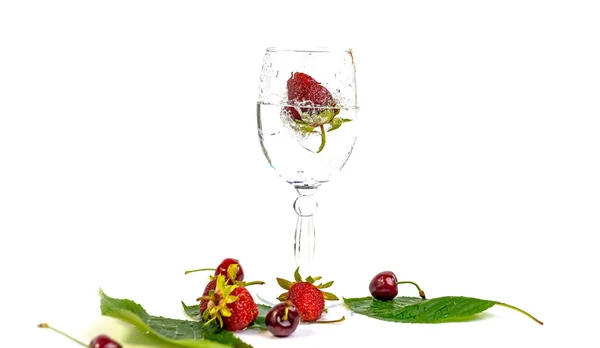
(103,341)
(283,319)
(222,269)
(384,286)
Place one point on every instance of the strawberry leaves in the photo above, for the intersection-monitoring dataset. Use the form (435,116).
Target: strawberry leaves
(337,122)
(297,276)
(193,312)
(287,285)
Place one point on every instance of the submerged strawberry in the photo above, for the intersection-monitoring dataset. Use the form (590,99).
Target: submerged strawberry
(308,298)
(312,105)
(305,90)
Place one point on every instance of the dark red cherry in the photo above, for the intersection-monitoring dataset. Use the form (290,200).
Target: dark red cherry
(384,286)
(222,269)
(103,341)
(282,320)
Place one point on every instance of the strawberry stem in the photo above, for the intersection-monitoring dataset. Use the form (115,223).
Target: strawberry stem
(421,293)
(200,270)
(520,311)
(327,321)
(46,326)
(323,138)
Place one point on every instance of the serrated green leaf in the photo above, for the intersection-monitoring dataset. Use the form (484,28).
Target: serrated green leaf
(329,296)
(192,311)
(286,284)
(417,310)
(297,276)
(184,333)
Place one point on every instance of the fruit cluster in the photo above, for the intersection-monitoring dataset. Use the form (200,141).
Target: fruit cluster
(226,301)
(227,304)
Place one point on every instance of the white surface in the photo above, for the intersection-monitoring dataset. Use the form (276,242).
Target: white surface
(128,153)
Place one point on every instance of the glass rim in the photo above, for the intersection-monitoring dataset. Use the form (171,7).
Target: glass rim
(324,49)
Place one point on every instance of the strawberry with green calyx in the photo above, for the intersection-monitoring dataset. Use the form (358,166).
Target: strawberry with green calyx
(306,296)
(212,285)
(229,303)
(312,106)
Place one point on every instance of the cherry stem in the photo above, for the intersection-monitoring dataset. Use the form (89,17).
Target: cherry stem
(521,311)
(323,138)
(46,326)
(421,293)
(285,314)
(200,270)
(255,282)
(327,321)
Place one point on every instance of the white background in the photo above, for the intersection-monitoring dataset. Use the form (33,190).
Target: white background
(129,153)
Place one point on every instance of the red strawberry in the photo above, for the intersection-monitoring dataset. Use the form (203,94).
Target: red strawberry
(303,89)
(231,305)
(232,270)
(244,310)
(307,297)
(212,285)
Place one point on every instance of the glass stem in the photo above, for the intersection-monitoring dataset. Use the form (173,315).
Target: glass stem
(304,238)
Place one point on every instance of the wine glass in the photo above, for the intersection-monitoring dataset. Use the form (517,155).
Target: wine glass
(307,115)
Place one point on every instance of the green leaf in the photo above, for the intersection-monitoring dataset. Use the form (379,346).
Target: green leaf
(298,121)
(306,128)
(320,118)
(326,285)
(286,284)
(417,310)
(337,122)
(297,276)
(310,279)
(329,296)
(184,333)
(192,311)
